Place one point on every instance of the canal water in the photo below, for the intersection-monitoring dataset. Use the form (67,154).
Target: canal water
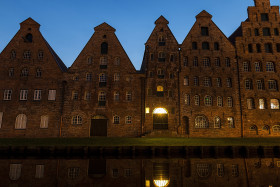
(144,172)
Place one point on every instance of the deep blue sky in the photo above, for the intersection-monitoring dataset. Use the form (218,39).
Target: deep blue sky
(68,24)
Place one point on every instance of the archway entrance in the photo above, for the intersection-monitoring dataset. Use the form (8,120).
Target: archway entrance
(98,126)
(160,119)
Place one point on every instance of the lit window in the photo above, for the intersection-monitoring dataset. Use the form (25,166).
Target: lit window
(262,104)
(116,77)
(186,81)
(15,171)
(203,170)
(250,103)
(147,110)
(187,99)
(75,95)
(128,96)
(257,66)
(272,85)
(230,101)
(206,62)
(40,55)
(270,67)
(21,121)
(230,122)
(7,95)
(160,91)
(217,122)
(196,81)
(39,171)
(88,76)
(201,122)
(37,95)
(196,100)
(27,55)
(23,95)
(77,120)
(44,122)
(128,119)
(24,72)
(219,82)
(73,173)
(116,120)
(219,101)
(217,62)
(208,100)
(52,95)
(220,170)
(276,129)
(195,61)
(274,104)
(116,96)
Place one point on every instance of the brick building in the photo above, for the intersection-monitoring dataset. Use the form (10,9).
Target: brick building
(208,86)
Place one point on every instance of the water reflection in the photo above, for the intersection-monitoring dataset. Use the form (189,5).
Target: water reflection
(141,172)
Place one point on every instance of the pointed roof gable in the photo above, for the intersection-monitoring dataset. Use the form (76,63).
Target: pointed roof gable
(104,27)
(161,20)
(203,14)
(30,22)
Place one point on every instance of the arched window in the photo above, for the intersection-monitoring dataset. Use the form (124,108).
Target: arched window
(77,120)
(116,119)
(27,55)
(219,101)
(253,128)
(203,170)
(24,72)
(21,121)
(196,100)
(230,122)
(201,122)
(116,96)
(102,77)
(230,101)
(40,55)
(15,171)
(274,104)
(206,62)
(246,66)
(276,129)
(187,99)
(217,122)
(38,72)
(44,122)
(270,67)
(102,96)
(208,100)
(29,37)
(89,60)
(161,40)
(104,48)
(250,103)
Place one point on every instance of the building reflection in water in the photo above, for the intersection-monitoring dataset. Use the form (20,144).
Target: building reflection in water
(141,172)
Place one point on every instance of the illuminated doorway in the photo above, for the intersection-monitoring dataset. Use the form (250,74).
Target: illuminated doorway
(160,119)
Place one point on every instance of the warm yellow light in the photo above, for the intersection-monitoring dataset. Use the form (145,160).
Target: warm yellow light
(148,183)
(161,183)
(160,111)
(147,110)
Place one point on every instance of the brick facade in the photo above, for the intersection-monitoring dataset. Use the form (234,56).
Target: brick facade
(208,86)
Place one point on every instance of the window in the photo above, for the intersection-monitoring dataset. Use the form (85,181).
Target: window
(220,170)
(7,95)
(230,102)
(171,75)
(88,77)
(128,120)
(127,172)
(161,41)
(1,118)
(203,170)
(87,96)
(89,60)
(187,99)
(272,85)
(117,77)
(234,170)
(205,46)
(116,96)
(147,110)
(11,72)
(102,99)
(274,104)
(207,81)
(196,81)
(264,17)
(194,45)
(186,62)
(219,82)
(268,47)
(278,48)
(115,173)
(219,101)
(204,31)
(260,84)
(39,171)
(276,32)
(196,100)
(38,72)
(44,122)
(171,58)
(250,48)
(52,95)
(77,120)
(217,62)
(152,57)
(186,81)
(40,55)
(24,72)
(116,120)
(102,80)
(259,49)
(73,173)
(246,66)
(229,83)
(13,54)
(28,38)
(160,73)
(75,78)
(216,46)
(248,84)
(206,62)
(128,96)
(103,61)
(250,103)
(262,104)
(227,62)
(15,171)
(27,55)
(201,122)
(117,61)
(208,100)
(195,61)
(270,67)
(160,91)
(217,122)
(23,95)
(257,33)
(21,121)
(161,57)
(258,67)
(75,95)
(104,48)
(230,122)
(37,95)
(276,129)
(266,32)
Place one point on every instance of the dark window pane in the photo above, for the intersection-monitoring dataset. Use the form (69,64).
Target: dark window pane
(104,48)
(257,32)
(250,48)
(205,46)
(268,48)
(204,31)
(216,46)
(264,17)
(266,31)
(276,32)
(194,46)
(259,48)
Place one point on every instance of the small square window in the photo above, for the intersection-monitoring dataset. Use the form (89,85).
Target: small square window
(204,31)
(264,17)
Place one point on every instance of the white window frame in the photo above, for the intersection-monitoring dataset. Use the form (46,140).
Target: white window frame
(246,66)
(44,122)
(27,55)
(7,95)
(128,120)
(230,102)
(196,100)
(77,120)
(201,122)
(52,95)
(37,95)
(116,119)
(23,95)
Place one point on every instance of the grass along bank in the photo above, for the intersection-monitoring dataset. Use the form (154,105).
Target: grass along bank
(105,142)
